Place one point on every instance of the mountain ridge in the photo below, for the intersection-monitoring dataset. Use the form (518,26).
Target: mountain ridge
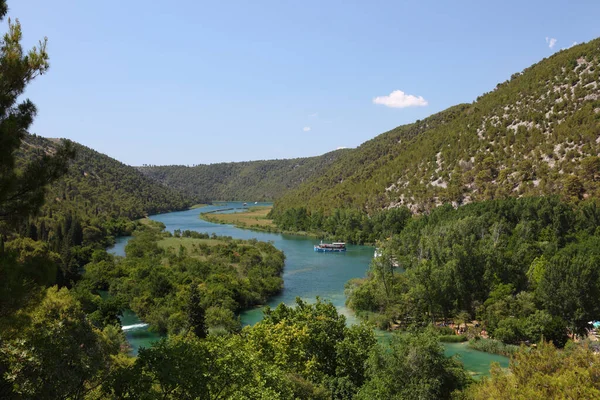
(99,184)
(536,134)
(261,180)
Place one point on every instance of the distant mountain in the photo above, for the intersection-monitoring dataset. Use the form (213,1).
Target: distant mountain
(251,180)
(536,134)
(98,186)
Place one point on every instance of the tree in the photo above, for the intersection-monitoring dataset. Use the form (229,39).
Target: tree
(60,355)
(543,373)
(572,187)
(185,367)
(196,312)
(414,367)
(22,190)
(536,271)
(570,288)
(312,343)
(590,167)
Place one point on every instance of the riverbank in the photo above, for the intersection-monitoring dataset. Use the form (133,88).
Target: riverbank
(255,219)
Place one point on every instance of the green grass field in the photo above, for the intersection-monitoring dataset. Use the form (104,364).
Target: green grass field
(188,243)
(255,216)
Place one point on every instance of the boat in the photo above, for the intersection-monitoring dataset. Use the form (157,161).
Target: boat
(245,204)
(330,247)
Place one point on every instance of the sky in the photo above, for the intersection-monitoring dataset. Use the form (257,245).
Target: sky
(197,82)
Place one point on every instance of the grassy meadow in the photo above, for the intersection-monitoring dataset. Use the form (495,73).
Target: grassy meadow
(253,218)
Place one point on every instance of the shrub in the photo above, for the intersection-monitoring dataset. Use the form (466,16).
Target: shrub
(493,347)
(453,338)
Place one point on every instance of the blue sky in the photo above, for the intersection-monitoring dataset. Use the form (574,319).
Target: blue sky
(190,82)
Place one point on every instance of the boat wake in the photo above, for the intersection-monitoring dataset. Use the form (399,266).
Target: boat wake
(134,326)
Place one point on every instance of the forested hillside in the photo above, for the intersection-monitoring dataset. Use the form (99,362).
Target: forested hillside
(251,180)
(97,185)
(96,199)
(535,134)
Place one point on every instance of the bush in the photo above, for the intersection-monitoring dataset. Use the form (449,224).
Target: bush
(493,347)
(445,331)
(453,338)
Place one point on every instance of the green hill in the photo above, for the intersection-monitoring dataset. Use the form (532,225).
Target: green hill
(535,134)
(97,186)
(251,180)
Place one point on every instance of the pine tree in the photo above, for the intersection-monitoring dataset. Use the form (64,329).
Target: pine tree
(22,190)
(196,313)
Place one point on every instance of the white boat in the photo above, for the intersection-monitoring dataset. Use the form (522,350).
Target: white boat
(330,247)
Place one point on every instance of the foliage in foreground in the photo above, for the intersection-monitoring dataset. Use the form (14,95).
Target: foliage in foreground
(544,373)
(414,367)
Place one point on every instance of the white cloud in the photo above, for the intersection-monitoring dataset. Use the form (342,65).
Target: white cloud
(340,148)
(399,99)
(313,115)
(306,128)
(551,41)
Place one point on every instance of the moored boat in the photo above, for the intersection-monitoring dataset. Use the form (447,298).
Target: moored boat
(330,247)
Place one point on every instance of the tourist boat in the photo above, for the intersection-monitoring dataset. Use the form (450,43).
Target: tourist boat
(330,247)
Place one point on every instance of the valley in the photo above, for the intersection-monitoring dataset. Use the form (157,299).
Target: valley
(470,234)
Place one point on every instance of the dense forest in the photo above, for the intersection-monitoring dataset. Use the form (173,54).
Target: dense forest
(84,209)
(156,281)
(524,268)
(348,225)
(97,186)
(251,180)
(535,134)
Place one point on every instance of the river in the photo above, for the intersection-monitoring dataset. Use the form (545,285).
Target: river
(307,274)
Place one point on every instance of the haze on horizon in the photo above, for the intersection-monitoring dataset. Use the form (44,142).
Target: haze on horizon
(199,82)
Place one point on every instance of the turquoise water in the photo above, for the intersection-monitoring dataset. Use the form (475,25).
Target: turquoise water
(307,274)
(476,362)
(136,332)
(119,246)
